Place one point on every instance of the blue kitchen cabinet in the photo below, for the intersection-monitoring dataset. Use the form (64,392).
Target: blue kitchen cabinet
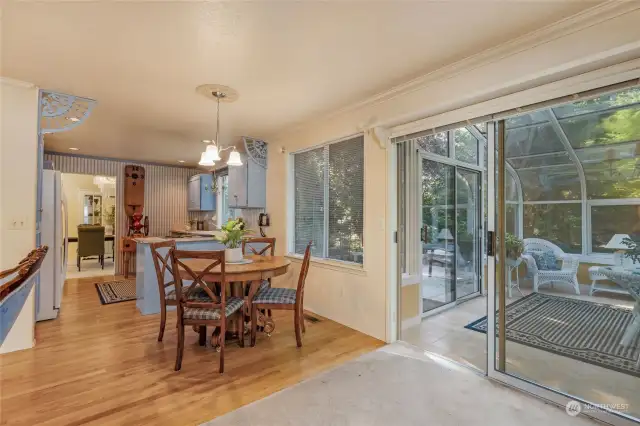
(200,193)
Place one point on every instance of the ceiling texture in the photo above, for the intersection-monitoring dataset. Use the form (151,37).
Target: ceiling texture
(289,61)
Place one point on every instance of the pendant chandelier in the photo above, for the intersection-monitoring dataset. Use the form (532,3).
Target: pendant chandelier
(212,154)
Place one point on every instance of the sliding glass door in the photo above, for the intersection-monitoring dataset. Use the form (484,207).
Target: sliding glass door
(564,307)
(467,232)
(450,233)
(438,231)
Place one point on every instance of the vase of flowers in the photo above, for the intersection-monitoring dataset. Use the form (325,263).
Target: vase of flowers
(232,233)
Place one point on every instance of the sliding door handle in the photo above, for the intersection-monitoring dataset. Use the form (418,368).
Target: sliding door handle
(491,243)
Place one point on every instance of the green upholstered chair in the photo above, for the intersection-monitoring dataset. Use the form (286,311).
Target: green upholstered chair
(91,242)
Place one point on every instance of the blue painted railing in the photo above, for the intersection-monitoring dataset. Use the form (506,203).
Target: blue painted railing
(11,306)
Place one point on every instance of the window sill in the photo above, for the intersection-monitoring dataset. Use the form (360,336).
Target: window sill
(335,265)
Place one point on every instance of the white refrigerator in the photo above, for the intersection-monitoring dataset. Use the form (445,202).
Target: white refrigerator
(53,232)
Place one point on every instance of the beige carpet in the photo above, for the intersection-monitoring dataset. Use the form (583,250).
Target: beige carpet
(399,385)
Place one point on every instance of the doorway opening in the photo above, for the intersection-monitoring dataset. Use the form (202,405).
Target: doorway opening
(91,210)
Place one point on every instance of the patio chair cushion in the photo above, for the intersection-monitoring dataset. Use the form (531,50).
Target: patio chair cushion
(545,260)
(276,295)
(206,314)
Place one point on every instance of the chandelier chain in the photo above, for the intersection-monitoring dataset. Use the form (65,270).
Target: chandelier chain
(218,120)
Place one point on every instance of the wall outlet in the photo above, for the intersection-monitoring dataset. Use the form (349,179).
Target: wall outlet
(18,223)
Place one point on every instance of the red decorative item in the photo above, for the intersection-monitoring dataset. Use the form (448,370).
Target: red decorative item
(137,225)
(134,200)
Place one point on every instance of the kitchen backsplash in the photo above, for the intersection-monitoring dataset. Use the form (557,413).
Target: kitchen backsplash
(250,217)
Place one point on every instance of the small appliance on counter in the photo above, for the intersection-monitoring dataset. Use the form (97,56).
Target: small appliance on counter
(263,221)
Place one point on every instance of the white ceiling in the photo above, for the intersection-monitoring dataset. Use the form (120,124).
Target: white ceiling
(289,61)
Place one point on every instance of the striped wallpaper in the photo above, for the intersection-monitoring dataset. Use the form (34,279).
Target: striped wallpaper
(165,193)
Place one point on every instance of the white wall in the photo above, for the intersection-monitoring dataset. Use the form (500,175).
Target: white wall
(18,181)
(361,299)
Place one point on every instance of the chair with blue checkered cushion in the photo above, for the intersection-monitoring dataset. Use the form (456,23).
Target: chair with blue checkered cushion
(199,305)
(285,299)
(261,246)
(160,252)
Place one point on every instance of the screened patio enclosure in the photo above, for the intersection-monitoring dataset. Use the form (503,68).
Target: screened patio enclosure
(568,326)
(573,174)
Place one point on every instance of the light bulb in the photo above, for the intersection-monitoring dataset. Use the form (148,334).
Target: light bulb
(205,160)
(212,152)
(234,159)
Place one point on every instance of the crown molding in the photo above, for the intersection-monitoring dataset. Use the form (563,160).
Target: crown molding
(595,15)
(16,83)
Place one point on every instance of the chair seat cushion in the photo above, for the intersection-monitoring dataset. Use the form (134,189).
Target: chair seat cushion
(199,295)
(233,304)
(276,295)
(545,260)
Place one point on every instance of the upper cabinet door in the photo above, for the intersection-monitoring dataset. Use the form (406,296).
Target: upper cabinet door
(256,185)
(193,193)
(248,183)
(200,193)
(207,197)
(238,185)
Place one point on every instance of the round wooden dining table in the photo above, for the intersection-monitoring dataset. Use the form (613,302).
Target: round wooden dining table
(238,276)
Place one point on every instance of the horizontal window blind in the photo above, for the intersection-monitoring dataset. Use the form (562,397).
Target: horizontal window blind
(329,200)
(309,181)
(346,181)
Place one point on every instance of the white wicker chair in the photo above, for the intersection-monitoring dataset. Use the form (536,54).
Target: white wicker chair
(567,274)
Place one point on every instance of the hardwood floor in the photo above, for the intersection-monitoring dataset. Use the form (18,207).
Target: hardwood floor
(102,365)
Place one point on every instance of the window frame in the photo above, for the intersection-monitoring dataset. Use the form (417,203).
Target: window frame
(291,219)
(588,253)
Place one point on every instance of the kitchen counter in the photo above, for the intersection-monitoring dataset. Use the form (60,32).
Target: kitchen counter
(147,296)
(198,233)
(151,240)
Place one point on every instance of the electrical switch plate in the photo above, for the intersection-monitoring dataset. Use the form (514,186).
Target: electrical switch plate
(18,223)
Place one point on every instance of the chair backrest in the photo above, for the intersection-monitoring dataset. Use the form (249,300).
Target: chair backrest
(304,269)
(162,263)
(263,244)
(182,272)
(537,244)
(90,240)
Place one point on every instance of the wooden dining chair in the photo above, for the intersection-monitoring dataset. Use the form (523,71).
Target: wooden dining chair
(216,311)
(267,247)
(285,299)
(165,278)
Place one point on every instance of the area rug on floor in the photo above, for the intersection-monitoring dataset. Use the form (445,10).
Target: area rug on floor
(396,385)
(579,329)
(116,291)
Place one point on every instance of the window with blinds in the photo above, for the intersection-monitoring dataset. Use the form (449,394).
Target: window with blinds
(329,206)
